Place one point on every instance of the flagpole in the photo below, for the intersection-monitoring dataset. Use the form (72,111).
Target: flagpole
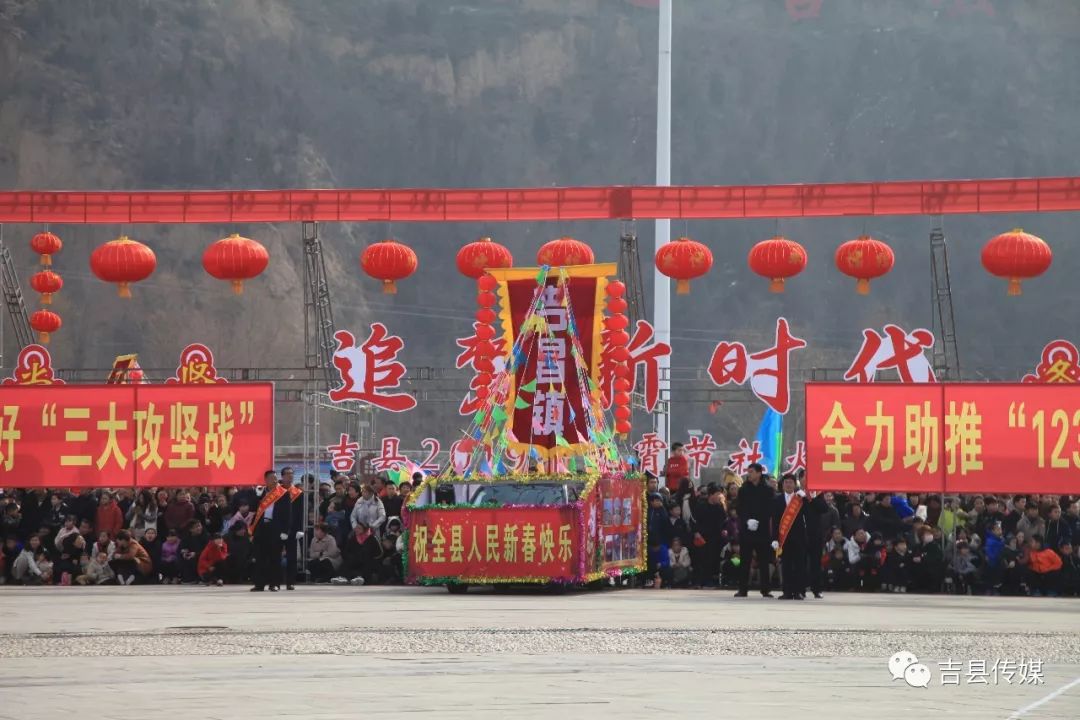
(661,282)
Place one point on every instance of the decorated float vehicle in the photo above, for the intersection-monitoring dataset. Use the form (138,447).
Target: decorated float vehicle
(563,530)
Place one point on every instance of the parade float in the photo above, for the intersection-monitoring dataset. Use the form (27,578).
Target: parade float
(537,490)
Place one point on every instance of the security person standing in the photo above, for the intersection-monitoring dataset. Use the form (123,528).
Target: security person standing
(755,508)
(790,537)
(295,506)
(269,530)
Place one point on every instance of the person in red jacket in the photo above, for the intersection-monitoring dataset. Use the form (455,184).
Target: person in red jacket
(212,560)
(109,518)
(1044,568)
(676,468)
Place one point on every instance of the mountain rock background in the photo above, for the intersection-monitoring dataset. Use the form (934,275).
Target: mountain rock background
(141,94)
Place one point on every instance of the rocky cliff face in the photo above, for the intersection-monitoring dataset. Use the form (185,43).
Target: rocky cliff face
(269,93)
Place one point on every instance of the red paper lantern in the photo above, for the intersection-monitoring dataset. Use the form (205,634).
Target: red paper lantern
(485,315)
(864,259)
(623,427)
(565,251)
(615,289)
(619,337)
(623,371)
(622,398)
(46,245)
(123,261)
(683,260)
(389,261)
(616,305)
(622,384)
(1016,255)
(45,322)
(483,379)
(620,354)
(484,254)
(616,322)
(487,283)
(486,299)
(235,259)
(622,413)
(46,282)
(485,332)
(482,392)
(777,259)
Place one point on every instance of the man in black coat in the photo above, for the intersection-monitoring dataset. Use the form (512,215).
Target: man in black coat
(293,501)
(755,514)
(793,504)
(273,519)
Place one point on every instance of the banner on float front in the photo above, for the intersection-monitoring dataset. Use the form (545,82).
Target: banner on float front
(136,435)
(547,406)
(951,437)
(525,543)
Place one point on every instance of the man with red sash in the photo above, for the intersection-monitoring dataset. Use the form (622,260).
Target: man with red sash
(296,525)
(790,537)
(269,530)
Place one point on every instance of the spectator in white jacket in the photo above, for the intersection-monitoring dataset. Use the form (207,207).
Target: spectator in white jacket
(854,545)
(369,510)
(32,567)
(69,528)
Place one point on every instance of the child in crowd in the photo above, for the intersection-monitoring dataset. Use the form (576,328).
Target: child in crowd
(191,547)
(1044,568)
(103,544)
(730,565)
(1070,570)
(896,575)
(679,560)
(243,515)
(239,545)
(98,572)
(212,561)
(963,571)
(170,558)
(391,572)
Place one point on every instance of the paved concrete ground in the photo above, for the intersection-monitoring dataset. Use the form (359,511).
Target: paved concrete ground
(330,652)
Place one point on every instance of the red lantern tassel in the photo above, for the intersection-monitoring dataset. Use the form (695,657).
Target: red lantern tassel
(238,287)
(389,288)
(682,287)
(46,298)
(43,337)
(777,285)
(1014,287)
(862,286)
(124,290)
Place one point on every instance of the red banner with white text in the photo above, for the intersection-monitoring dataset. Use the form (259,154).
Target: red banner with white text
(944,437)
(135,435)
(524,543)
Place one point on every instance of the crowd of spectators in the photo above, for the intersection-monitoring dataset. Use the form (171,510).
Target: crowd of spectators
(191,535)
(878,542)
(884,542)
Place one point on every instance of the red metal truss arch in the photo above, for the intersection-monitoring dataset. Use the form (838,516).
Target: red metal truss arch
(910,197)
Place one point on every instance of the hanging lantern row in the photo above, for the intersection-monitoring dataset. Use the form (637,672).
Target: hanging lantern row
(617,340)
(485,334)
